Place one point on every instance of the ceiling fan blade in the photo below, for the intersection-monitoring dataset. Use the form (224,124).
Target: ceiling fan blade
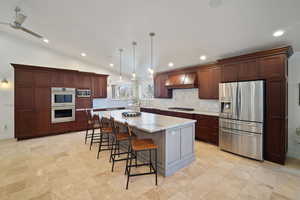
(30,32)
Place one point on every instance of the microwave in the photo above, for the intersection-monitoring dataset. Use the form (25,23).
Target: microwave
(62,96)
(83,93)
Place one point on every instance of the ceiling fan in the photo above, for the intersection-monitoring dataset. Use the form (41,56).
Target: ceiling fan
(19,20)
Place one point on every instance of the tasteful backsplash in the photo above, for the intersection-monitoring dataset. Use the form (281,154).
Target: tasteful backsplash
(184,98)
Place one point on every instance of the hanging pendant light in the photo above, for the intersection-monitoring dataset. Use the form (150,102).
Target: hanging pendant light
(133,62)
(151,68)
(121,51)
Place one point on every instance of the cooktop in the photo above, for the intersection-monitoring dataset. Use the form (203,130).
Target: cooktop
(180,108)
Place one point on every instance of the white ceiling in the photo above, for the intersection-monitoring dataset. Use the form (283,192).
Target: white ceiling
(185,29)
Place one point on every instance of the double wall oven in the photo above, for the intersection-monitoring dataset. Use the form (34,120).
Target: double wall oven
(62,104)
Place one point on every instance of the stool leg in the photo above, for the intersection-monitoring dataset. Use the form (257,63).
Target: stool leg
(113,157)
(128,173)
(126,168)
(100,146)
(111,150)
(150,160)
(155,166)
(92,139)
(135,153)
(86,134)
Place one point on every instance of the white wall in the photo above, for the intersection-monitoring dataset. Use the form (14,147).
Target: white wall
(293,104)
(16,50)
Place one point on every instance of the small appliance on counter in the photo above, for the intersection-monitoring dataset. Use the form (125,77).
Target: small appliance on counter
(83,93)
(62,105)
(131,114)
(241,123)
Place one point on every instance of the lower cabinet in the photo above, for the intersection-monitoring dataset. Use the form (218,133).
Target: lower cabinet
(206,128)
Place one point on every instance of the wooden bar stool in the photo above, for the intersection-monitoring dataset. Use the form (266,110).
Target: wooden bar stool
(91,125)
(106,132)
(118,137)
(138,145)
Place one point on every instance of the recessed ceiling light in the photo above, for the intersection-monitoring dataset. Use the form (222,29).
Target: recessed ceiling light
(83,54)
(203,57)
(46,40)
(111,64)
(171,64)
(278,33)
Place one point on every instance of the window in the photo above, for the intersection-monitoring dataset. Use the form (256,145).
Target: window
(124,91)
(146,90)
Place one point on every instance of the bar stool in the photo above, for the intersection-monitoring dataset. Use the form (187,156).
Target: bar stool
(106,132)
(91,125)
(95,136)
(139,145)
(118,137)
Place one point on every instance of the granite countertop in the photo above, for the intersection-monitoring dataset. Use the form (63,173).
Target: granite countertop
(148,122)
(199,112)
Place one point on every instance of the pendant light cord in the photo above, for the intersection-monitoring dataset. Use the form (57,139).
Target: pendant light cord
(151,50)
(134,45)
(120,61)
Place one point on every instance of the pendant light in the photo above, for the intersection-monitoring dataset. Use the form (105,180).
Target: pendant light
(133,62)
(151,68)
(121,51)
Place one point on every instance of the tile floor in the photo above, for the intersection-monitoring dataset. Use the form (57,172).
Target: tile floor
(63,167)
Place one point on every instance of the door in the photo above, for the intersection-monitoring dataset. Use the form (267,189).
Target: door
(228,100)
(251,101)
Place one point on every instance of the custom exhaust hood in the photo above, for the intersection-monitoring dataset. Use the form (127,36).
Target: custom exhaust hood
(182,81)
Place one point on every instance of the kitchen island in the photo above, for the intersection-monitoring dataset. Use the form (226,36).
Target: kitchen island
(174,136)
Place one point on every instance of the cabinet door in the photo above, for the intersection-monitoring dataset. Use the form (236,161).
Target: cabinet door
(42,121)
(24,98)
(249,70)
(208,83)
(160,89)
(99,86)
(84,80)
(24,77)
(42,78)
(275,136)
(229,72)
(57,79)
(69,79)
(25,124)
(204,79)
(273,67)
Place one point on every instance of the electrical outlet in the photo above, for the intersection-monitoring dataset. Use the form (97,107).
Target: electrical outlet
(5,127)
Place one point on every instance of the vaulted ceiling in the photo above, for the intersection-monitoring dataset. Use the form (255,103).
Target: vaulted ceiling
(184,29)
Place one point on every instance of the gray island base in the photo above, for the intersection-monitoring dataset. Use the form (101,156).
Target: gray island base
(174,136)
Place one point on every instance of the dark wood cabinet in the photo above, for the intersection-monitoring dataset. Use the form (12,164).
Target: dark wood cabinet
(273,67)
(208,82)
(160,89)
(84,80)
(99,86)
(33,99)
(230,72)
(275,139)
(207,129)
(249,70)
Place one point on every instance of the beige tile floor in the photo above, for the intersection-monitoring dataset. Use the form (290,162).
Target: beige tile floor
(62,167)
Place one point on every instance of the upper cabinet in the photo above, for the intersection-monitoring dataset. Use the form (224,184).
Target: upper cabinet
(208,82)
(160,90)
(249,70)
(84,80)
(99,86)
(230,72)
(273,66)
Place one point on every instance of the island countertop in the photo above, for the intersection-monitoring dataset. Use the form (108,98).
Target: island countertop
(148,122)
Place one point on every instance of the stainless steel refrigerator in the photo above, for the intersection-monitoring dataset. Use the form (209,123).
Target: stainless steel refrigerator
(241,124)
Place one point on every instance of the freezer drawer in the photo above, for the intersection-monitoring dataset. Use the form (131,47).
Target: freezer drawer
(254,127)
(242,143)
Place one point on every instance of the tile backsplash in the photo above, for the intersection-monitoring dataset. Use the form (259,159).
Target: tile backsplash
(184,98)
